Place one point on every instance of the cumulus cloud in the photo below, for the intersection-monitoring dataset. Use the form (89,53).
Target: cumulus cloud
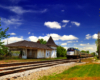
(75,23)
(64,44)
(33,38)
(12,33)
(95,36)
(66,48)
(53,25)
(68,37)
(12,40)
(20,10)
(88,36)
(54,36)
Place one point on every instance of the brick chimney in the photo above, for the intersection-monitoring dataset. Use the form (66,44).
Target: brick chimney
(38,42)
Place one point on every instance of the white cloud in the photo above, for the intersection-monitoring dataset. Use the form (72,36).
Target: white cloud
(53,25)
(11,21)
(54,36)
(76,41)
(12,33)
(90,47)
(75,23)
(84,44)
(21,36)
(64,44)
(65,21)
(66,48)
(12,40)
(29,32)
(95,36)
(88,36)
(70,41)
(64,25)
(68,37)
(43,37)
(42,11)
(20,10)
(33,38)
(64,37)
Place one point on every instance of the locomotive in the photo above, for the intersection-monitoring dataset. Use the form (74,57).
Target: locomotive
(75,54)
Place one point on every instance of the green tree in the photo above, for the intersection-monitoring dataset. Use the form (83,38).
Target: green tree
(3,49)
(85,51)
(93,53)
(61,52)
(42,41)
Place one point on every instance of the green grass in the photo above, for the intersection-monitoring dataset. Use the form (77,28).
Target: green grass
(89,70)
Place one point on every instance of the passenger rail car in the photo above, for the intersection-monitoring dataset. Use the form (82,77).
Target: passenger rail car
(75,53)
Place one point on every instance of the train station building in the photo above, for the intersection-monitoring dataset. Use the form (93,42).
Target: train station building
(29,49)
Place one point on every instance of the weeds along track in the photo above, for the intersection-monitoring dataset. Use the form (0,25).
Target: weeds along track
(6,69)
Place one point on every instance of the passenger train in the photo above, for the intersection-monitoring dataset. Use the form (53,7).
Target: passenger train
(75,53)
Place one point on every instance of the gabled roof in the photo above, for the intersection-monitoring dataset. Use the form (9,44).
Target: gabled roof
(28,44)
(51,42)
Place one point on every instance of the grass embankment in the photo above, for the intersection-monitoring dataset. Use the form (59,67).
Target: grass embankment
(82,72)
(15,59)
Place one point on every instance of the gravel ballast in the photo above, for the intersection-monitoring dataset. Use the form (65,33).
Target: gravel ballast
(35,74)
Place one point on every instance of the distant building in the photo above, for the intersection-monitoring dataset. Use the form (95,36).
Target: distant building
(29,49)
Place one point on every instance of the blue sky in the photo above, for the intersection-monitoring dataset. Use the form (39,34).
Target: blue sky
(71,23)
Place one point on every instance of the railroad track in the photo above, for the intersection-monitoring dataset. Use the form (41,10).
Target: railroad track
(6,69)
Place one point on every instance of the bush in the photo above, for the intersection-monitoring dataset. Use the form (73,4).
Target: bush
(61,52)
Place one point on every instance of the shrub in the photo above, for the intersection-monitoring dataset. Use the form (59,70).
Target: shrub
(61,52)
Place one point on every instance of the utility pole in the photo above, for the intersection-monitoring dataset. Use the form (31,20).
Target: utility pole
(99,45)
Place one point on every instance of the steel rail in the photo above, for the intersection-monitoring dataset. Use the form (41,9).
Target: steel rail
(10,70)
